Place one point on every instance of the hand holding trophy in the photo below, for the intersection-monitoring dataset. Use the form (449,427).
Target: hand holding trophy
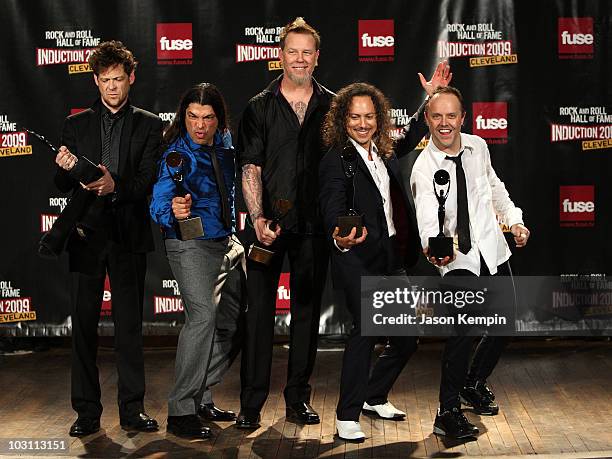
(260,254)
(186,227)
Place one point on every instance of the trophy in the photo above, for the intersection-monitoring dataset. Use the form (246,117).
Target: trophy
(259,254)
(52,243)
(441,246)
(190,227)
(353,218)
(85,170)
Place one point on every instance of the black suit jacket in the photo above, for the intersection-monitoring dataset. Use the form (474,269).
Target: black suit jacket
(138,154)
(368,258)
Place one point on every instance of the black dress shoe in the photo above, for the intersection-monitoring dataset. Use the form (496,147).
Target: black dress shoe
(453,423)
(141,422)
(210,412)
(84,426)
(480,397)
(188,426)
(302,413)
(248,421)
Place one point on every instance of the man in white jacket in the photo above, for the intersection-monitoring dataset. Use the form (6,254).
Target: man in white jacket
(476,199)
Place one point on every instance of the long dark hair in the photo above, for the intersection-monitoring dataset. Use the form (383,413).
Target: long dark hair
(203,94)
(334,126)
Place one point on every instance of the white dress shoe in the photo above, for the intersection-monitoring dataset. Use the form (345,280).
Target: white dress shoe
(384,411)
(350,430)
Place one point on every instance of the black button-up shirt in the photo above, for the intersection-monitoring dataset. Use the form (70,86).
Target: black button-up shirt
(270,136)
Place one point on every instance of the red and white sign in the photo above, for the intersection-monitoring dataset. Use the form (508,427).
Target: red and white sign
(490,120)
(174,43)
(576,36)
(376,37)
(283,294)
(577,205)
(107,305)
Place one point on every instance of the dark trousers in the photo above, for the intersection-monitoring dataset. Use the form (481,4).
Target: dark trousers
(456,368)
(126,273)
(357,383)
(308,259)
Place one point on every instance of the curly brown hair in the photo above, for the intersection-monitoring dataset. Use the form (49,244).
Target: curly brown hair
(111,53)
(334,126)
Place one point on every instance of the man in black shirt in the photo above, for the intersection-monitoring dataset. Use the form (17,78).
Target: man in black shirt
(279,149)
(112,236)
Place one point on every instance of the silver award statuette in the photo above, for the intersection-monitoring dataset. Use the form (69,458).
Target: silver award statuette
(186,228)
(260,254)
(441,246)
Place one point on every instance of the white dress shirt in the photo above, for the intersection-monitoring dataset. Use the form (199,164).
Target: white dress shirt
(487,198)
(379,173)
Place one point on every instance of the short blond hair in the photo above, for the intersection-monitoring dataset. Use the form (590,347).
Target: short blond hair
(299,25)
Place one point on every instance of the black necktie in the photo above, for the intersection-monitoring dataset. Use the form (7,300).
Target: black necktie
(463,216)
(226,212)
(108,119)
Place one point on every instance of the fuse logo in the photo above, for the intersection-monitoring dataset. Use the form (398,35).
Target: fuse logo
(107,305)
(577,206)
(283,295)
(576,40)
(376,40)
(174,43)
(490,121)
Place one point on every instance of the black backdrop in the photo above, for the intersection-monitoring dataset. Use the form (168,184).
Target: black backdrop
(535,77)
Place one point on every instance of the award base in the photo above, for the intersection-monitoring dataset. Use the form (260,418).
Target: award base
(440,247)
(86,171)
(347,222)
(260,255)
(189,228)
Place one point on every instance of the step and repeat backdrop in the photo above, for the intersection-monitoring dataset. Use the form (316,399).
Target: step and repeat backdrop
(535,78)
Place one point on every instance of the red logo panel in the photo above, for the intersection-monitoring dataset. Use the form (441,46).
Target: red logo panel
(490,120)
(283,295)
(174,41)
(376,37)
(576,36)
(577,205)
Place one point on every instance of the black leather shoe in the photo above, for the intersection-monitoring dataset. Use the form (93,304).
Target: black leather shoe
(480,397)
(84,426)
(248,421)
(453,423)
(210,412)
(302,413)
(141,422)
(188,426)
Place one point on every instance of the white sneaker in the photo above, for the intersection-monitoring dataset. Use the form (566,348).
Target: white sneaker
(350,430)
(385,411)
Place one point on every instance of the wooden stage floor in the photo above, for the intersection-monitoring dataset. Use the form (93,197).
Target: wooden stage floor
(555,399)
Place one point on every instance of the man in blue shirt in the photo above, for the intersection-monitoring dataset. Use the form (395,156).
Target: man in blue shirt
(201,265)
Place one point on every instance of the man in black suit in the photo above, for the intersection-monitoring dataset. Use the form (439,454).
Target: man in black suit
(112,235)
(361,173)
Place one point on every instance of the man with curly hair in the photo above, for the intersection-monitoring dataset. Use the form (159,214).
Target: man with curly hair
(357,130)
(112,236)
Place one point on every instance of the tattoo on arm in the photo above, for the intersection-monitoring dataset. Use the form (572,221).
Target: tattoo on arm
(252,190)
(300,110)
